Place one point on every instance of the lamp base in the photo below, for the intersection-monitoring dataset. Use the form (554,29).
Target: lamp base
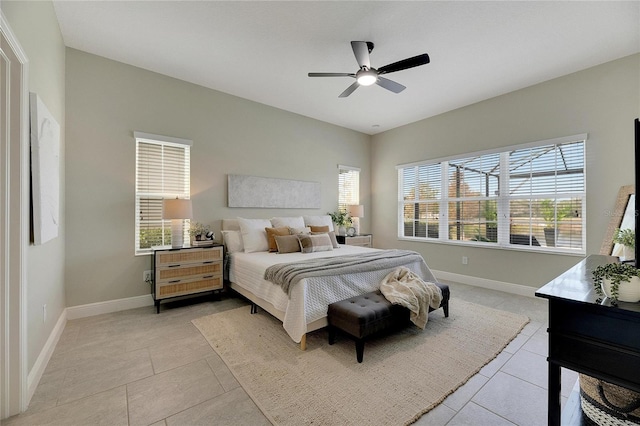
(355,221)
(177,236)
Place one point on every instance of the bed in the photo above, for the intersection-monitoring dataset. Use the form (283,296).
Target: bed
(305,308)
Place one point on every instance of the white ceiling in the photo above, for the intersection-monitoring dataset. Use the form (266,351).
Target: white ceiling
(263,50)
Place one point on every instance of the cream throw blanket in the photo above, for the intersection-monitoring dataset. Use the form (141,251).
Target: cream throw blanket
(402,287)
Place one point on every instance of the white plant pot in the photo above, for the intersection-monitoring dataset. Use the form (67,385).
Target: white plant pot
(628,253)
(628,291)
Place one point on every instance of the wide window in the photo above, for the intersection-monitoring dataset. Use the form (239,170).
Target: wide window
(162,171)
(348,187)
(532,195)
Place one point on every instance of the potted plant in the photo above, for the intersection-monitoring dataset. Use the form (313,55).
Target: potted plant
(341,219)
(626,237)
(551,215)
(198,231)
(617,281)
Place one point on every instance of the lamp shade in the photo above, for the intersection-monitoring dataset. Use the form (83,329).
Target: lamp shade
(356,210)
(176,209)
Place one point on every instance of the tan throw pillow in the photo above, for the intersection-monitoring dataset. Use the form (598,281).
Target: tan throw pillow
(272,232)
(319,228)
(298,231)
(287,243)
(315,243)
(332,237)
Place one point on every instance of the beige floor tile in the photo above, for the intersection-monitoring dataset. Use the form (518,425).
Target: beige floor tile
(100,376)
(107,408)
(475,415)
(171,392)
(514,399)
(175,353)
(222,372)
(229,409)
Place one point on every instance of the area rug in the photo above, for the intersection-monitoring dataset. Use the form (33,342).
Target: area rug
(403,376)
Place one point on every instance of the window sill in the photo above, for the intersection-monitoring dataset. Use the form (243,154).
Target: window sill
(495,246)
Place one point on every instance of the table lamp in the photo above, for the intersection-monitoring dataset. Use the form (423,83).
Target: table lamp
(177,210)
(356,212)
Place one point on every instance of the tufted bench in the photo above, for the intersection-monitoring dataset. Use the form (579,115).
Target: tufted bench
(370,313)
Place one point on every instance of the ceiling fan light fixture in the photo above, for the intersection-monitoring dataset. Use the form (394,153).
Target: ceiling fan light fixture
(366,77)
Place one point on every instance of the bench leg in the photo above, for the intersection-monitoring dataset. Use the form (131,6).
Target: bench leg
(445,308)
(359,349)
(332,335)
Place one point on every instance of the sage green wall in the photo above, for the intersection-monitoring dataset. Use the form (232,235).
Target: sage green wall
(602,101)
(36,26)
(108,100)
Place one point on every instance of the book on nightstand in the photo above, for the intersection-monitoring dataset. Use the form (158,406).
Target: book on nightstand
(202,243)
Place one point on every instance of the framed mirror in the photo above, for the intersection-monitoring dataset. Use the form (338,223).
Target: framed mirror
(622,216)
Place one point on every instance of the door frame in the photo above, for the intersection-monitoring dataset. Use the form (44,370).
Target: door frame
(15,219)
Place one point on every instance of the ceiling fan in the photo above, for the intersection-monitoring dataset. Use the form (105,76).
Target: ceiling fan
(366,75)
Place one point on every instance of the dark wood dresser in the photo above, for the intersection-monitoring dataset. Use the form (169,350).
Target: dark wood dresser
(587,334)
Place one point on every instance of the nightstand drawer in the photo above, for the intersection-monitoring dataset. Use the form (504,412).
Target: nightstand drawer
(357,240)
(193,255)
(167,273)
(182,287)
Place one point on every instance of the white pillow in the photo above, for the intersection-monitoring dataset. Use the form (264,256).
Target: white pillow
(291,222)
(232,241)
(254,237)
(324,220)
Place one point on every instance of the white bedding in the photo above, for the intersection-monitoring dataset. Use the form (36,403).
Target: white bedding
(309,298)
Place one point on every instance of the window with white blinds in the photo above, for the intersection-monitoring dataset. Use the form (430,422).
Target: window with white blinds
(162,171)
(532,195)
(348,187)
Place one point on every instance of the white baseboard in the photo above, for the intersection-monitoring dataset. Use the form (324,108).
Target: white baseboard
(91,309)
(34,376)
(521,290)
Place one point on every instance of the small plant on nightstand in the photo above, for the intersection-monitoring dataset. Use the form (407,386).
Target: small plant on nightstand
(198,231)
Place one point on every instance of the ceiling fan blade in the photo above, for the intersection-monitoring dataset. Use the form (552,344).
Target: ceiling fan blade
(390,85)
(361,51)
(405,64)
(331,74)
(349,90)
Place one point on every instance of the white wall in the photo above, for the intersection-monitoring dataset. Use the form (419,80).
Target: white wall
(601,101)
(36,27)
(108,100)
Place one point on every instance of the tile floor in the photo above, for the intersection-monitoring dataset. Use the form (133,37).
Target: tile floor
(138,368)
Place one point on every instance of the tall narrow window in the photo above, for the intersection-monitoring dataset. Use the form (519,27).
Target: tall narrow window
(162,171)
(348,187)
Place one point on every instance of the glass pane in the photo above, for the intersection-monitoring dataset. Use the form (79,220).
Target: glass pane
(153,231)
(421,220)
(473,221)
(547,222)
(548,169)
(475,176)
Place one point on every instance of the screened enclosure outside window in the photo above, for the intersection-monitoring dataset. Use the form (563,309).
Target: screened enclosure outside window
(532,195)
(162,171)
(348,187)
